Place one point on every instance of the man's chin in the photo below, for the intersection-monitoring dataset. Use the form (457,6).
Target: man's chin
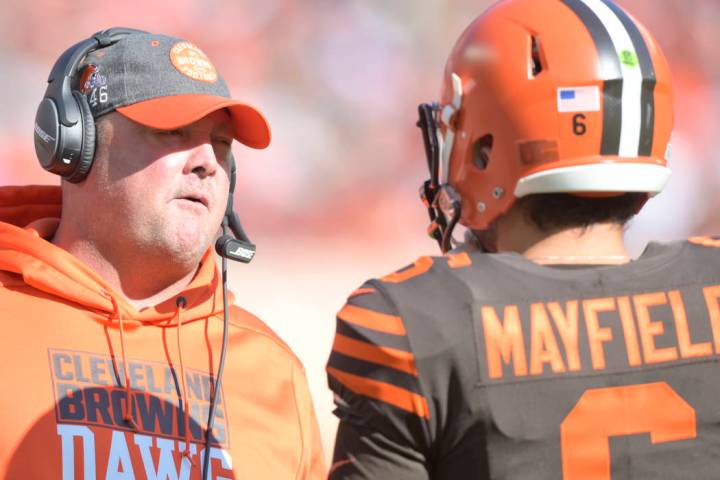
(186,249)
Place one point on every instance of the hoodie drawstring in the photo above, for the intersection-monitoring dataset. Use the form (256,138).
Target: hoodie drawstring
(130,400)
(130,403)
(182,303)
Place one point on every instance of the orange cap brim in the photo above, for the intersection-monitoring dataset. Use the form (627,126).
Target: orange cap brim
(177,111)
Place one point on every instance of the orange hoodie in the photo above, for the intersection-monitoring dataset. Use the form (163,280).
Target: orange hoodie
(74,351)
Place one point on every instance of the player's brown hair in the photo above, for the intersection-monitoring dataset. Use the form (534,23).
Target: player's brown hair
(553,211)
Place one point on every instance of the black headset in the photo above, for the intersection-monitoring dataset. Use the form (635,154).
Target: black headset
(64,125)
(65,134)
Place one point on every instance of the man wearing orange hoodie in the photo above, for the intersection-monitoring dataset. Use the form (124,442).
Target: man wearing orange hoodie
(112,303)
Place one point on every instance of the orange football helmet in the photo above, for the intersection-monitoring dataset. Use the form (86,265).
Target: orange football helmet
(545,96)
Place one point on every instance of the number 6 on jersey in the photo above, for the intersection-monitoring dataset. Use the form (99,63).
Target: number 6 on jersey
(653,408)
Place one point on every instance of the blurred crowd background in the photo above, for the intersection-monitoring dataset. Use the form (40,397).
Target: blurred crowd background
(334,199)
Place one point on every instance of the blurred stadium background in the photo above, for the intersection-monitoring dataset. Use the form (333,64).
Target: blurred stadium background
(333,200)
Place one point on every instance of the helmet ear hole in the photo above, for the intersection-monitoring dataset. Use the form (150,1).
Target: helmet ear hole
(481,151)
(536,65)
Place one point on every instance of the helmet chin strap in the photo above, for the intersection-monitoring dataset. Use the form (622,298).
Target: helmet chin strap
(442,200)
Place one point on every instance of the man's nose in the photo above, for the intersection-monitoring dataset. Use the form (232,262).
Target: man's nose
(201,160)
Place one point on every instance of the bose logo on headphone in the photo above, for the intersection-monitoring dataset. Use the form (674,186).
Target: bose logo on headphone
(44,136)
(243,252)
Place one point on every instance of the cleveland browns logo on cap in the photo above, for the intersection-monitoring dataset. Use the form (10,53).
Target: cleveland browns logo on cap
(191,61)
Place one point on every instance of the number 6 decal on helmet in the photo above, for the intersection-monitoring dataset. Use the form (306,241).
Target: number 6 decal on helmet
(629,410)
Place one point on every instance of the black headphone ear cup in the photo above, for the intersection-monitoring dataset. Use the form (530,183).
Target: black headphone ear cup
(47,134)
(87,152)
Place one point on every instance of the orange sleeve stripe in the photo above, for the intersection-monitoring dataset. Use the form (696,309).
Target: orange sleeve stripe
(381,322)
(459,260)
(385,356)
(705,241)
(396,396)
(361,291)
(421,265)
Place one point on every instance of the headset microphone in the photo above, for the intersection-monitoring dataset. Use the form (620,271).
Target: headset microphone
(238,246)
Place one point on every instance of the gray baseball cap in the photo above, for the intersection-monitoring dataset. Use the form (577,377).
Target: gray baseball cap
(166,83)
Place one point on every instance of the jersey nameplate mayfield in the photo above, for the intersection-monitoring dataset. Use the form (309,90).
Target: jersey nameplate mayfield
(596,334)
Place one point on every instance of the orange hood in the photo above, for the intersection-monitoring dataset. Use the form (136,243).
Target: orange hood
(150,387)
(29,217)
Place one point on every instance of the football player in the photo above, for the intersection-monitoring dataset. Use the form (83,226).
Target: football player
(538,349)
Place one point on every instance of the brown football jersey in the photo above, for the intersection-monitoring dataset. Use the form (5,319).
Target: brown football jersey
(489,366)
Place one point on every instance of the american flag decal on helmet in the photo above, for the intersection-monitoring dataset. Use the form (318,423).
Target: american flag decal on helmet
(629,78)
